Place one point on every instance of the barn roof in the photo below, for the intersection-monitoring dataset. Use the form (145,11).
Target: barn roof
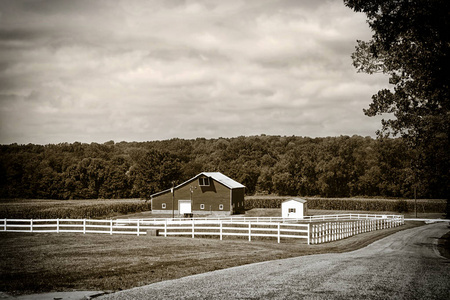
(217,176)
(223,179)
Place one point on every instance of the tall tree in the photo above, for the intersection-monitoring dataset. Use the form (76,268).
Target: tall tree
(411,43)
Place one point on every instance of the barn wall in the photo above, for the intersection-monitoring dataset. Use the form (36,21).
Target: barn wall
(159,200)
(237,196)
(211,196)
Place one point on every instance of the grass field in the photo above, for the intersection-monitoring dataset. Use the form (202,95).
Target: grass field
(32,263)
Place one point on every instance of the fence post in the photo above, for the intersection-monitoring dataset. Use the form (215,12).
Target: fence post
(111,226)
(57,225)
(319,227)
(314,234)
(138,221)
(6,220)
(327,232)
(249,231)
(336,232)
(193,221)
(279,233)
(165,229)
(220,229)
(309,233)
(31,225)
(84,226)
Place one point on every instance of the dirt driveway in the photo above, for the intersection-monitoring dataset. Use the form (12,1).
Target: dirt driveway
(405,265)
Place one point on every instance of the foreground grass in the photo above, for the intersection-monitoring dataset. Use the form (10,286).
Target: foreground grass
(32,263)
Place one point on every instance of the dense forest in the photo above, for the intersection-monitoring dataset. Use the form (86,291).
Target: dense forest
(284,165)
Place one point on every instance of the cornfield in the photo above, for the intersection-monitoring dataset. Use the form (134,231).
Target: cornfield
(52,209)
(429,205)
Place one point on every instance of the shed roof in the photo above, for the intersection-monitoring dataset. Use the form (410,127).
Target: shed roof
(295,199)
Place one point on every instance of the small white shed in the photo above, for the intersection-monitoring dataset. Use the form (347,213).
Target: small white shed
(293,208)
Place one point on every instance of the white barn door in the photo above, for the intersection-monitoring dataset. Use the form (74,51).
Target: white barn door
(185,206)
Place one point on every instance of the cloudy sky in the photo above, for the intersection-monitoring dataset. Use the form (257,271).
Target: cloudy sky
(94,71)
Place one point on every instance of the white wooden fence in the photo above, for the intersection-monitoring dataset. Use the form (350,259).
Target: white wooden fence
(193,228)
(315,229)
(222,228)
(332,231)
(318,218)
(69,225)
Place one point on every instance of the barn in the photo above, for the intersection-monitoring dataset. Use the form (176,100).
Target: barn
(294,208)
(208,193)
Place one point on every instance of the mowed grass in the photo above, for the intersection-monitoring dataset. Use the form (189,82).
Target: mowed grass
(33,263)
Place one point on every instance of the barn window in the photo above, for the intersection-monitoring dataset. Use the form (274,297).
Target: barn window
(203,181)
(220,206)
(163,205)
(292,210)
(202,206)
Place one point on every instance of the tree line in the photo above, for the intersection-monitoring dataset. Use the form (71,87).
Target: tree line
(284,165)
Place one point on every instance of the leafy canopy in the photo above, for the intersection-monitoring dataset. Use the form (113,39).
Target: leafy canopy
(411,44)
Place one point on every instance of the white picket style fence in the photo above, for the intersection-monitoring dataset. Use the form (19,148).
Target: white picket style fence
(333,231)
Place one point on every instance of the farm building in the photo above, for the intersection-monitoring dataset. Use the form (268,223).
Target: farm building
(207,193)
(293,208)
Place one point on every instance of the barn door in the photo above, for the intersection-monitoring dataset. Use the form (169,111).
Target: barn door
(185,206)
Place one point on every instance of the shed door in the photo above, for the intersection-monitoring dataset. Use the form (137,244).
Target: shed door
(185,206)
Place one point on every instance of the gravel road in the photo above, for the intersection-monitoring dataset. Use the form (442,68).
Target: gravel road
(405,265)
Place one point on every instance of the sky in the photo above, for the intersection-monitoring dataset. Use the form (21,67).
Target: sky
(100,70)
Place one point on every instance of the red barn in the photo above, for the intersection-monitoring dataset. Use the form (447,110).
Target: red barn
(208,193)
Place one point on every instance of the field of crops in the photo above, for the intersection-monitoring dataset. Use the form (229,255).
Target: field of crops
(51,209)
(360,204)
